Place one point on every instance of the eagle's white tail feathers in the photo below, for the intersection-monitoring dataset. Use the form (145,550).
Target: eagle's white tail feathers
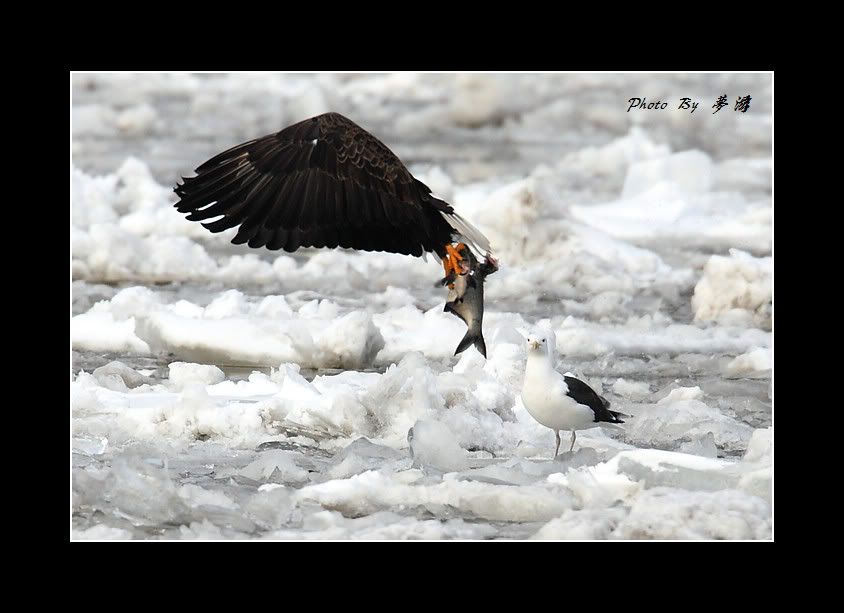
(474,237)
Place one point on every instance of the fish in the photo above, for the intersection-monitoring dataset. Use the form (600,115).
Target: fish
(466,296)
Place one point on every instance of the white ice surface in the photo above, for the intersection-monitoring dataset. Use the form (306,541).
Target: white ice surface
(642,242)
(450,413)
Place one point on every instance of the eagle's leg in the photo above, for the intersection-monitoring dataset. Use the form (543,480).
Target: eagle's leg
(451,262)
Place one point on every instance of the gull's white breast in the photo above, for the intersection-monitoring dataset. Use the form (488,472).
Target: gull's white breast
(544,397)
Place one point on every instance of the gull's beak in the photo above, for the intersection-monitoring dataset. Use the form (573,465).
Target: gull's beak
(534,344)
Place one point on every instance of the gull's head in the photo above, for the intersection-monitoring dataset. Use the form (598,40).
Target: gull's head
(537,342)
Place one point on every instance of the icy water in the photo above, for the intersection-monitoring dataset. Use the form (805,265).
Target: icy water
(224,392)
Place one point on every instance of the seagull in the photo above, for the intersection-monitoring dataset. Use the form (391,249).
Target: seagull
(325,182)
(560,402)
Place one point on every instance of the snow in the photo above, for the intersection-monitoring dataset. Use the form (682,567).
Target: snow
(219,392)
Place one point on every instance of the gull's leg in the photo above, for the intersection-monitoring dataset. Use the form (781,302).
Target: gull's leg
(557,436)
(573,437)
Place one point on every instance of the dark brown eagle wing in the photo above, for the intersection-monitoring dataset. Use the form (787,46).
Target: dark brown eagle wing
(322,182)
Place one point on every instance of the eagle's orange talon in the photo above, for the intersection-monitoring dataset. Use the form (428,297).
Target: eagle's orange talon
(447,265)
(451,262)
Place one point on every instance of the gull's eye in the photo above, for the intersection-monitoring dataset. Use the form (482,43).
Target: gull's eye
(543,341)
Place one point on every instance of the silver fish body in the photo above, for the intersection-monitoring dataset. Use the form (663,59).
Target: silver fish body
(466,299)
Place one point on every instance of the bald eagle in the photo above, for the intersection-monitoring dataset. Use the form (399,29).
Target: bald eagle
(325,182)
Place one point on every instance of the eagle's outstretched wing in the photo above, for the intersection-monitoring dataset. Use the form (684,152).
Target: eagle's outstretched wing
(323,182)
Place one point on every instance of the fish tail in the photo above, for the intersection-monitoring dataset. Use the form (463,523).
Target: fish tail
(475,337)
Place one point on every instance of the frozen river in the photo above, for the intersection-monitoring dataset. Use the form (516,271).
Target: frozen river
(223,392)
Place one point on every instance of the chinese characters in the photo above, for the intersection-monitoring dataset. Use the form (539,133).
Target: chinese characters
(742,104)
(720,103)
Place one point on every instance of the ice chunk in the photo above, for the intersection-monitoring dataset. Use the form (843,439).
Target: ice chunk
(745,174)
(668,513)
(477,99)
(376,490)
(598,486)
(362,455)
(691,171)
(118,255)
(232,329)
(760,448)
(383,525)
(186,373)
(231,303)
(433,445)
(272,507)
(274,307)
(635,390)
(135,489)
(757,465)
(102,532)
(407,329)
(101,332)
(736,289)
(756,362)
(119,377)
(655,468)
(583,456)
(277,466)
(350,341)
(204,530)
(665,423)
(247,268)
(90,446)
(136,120)
(196,496)
(683,393)
(703,445)
(506,473)
(130,302)
(583,524)
(406,392)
